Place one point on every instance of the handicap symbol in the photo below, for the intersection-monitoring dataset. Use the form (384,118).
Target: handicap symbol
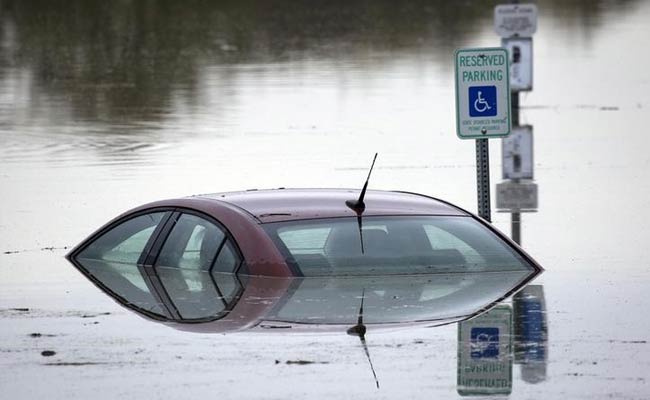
(482,101)
(480,104)
(484,342)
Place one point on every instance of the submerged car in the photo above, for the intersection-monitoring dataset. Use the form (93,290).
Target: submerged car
(239,254)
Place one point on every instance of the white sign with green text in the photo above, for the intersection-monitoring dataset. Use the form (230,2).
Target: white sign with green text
(482,93)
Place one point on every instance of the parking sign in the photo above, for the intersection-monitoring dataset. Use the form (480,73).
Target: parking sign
(482,93)
(485,353)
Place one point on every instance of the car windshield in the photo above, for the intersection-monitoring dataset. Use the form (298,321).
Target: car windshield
(393,245)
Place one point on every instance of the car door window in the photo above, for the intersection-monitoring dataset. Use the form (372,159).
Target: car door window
(112,260)
(184,265)
(192,244)
(223,271)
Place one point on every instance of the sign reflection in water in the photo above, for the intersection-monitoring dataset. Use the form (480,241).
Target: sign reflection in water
(489,344)
(531,333)
(485,353)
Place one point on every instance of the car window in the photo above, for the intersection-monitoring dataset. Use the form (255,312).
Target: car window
(126,281)
(228,260)
(396,244)
(125,242)
(192,244)
(442,240)
(310,240)
(184,267)
(223,271)
(112,259)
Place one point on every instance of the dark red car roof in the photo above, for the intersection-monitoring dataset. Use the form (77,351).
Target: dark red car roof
(294,204)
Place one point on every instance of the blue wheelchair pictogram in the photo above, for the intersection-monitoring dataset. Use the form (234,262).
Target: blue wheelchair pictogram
(484,343)
(482,101)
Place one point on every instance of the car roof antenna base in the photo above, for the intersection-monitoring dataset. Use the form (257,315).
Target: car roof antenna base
(358,206)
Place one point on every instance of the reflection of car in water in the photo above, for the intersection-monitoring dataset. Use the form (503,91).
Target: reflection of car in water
(295,258)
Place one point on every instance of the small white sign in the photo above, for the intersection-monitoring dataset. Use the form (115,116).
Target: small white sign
(485,354)
(482,93)
(517,196)
(521,63)
(515,20)
(517,153)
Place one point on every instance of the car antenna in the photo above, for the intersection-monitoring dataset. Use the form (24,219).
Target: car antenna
(358,206)
(360,330)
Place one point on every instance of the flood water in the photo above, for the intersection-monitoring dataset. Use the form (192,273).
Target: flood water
(108,105)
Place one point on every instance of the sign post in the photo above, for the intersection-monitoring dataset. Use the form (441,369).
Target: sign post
(516,24)
(482,108)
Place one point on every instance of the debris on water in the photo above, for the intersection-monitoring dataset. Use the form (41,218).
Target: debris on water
(47,248)
(597,107)
(301,362)
(584,362)
(48,353)
(52,248)
(37,335)
(73,364)
(629,341)
(94,315)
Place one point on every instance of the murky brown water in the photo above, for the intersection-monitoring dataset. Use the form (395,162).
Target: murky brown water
(104,106)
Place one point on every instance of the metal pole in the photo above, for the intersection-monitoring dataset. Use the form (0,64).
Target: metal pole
(483,178)
(514,108)
(515,225)
(515,217)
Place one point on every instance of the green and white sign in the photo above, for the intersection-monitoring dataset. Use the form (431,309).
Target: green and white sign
(482,93)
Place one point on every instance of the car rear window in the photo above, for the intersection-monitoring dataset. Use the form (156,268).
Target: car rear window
(393,245)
